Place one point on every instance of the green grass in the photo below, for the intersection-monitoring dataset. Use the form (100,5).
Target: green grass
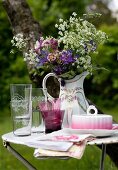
(89,161)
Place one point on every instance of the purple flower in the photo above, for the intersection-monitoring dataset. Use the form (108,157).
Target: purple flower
(44,53)
(92,47)
(67,57)
(42,60)
(91,42)
(77,55)
(57,69)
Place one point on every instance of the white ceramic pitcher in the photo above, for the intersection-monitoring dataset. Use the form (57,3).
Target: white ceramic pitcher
(72,96)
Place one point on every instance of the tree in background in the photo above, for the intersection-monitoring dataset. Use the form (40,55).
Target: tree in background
(12,67)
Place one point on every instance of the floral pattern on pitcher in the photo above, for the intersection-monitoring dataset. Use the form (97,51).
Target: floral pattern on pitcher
(68,94)
(72,96)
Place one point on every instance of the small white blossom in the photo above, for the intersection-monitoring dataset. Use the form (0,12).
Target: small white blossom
(56,25)
(18,41)
(60,20)
(74,14)
(72,19)
(60,33)
(37,60)
(12,41)
(85,67)
(12,51)
(37,45)
(25,59)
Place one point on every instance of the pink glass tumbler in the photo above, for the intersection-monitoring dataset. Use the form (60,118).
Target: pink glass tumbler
(52,115)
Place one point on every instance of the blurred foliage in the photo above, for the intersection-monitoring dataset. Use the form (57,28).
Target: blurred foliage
(101,88)
(101,7)
(49,11)
(105,81)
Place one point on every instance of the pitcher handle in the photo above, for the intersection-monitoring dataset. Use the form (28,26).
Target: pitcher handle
(47,95)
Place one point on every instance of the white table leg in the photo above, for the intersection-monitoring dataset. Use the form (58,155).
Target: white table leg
(103,156)
(18,156)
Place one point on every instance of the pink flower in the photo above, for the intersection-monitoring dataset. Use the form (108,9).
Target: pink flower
(54,44)
(51,57)
(46,43)
(38,46)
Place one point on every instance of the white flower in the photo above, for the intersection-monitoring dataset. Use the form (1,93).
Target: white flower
(60,33)
(18,41)
(12,41)
(25,59)
(60,20)
(37,60)
(88,61)
(74,14)
(26,54)
(85,67)
(56,25)
(72,19)
(37,45)
(62,27)
(12,51)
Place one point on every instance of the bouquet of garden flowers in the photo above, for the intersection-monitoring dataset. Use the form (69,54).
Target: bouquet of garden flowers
(67,55)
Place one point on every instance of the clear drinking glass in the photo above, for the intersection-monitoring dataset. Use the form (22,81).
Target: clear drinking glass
(21,108)
(20,91)
(37,121)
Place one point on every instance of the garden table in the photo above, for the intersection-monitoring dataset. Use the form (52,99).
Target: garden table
(9,138)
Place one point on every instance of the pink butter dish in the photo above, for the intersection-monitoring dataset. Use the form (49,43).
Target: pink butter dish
(99,121)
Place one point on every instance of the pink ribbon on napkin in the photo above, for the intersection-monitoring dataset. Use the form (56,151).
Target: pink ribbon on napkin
(115,127)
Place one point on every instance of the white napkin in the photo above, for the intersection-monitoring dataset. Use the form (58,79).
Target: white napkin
(50,145)
(60,140)
(61,143)
(75,151)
